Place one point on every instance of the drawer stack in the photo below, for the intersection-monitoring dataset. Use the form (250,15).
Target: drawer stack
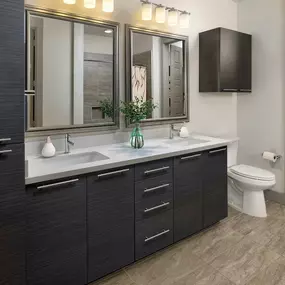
(153,206)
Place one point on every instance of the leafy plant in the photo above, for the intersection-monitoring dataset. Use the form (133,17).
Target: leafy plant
(137,110)
(107,108)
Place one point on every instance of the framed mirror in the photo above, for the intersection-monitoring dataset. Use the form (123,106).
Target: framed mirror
(157,70)
(72,69)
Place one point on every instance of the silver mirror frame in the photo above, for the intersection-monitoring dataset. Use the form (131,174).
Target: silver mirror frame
(129,30)
(56,14)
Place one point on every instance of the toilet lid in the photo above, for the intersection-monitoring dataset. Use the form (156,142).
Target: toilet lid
(253,172)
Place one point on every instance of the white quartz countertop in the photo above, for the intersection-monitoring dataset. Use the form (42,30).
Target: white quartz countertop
(119,155)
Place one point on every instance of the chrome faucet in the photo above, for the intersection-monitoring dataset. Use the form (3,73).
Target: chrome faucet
(68,142)
(172,130)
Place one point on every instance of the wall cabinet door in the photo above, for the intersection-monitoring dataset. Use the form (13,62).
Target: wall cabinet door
(56,233)
(188,177)
(110,221)
(215,198)
(12,215)
(12,72)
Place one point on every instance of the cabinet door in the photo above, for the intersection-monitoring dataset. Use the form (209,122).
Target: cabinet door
(12,221)
(215,198)
(229,60)
(110,222)
(56,233)
(187,195)
(12,71)
(245,54)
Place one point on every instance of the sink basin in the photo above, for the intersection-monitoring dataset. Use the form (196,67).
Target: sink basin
(186,141)
(73,159)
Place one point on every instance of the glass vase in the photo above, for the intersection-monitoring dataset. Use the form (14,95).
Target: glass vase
(137,140)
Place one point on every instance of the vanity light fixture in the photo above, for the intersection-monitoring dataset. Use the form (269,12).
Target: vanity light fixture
(108,6)
(160,14)
(90,4)
(172,17)
(146,11)
(108,31)
(184,20)
(69,2)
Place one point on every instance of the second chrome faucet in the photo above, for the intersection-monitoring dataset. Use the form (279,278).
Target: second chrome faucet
(68,142)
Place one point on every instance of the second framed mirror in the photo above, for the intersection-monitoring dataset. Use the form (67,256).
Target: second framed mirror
(157,71)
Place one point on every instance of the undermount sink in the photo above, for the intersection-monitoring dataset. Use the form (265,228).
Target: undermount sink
(73,159)
(186,141)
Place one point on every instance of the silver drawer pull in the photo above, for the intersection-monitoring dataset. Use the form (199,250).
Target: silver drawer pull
(190,156)
(157,236)
(218,150)
(156,188)
(6,151)
(113,173)
(163,205)
(30,92)
(245,90)
(156,170)
(233,90)
(5,140)
(57,184)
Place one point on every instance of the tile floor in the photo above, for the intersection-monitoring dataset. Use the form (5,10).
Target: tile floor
(241,250)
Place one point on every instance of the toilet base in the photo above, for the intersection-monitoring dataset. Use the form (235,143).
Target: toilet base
(254,203)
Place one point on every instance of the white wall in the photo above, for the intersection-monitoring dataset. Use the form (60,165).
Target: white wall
(57,72)
(260,114)
(210,113)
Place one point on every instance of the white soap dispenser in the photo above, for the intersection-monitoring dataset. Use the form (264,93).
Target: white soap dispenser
(48,149)
(184,131)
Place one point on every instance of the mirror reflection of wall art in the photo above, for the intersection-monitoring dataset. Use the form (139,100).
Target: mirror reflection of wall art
(139,81)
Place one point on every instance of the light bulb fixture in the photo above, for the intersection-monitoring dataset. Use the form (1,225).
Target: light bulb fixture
(160,14)
(108,31)
(108,6)
(90,4)
(172,17)
(69,2)
(184,20)
(146,11)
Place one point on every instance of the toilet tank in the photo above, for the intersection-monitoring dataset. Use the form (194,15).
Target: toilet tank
(232,153)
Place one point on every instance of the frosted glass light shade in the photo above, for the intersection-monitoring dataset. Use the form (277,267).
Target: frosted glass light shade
(160,15)
(69,1)
(184,20)
(89,4)
(172,18)
(108,6)
(146,11)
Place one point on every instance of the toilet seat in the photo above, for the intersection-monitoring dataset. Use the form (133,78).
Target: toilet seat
(252,173)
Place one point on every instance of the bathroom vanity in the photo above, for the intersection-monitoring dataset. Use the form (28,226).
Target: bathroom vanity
(100,221)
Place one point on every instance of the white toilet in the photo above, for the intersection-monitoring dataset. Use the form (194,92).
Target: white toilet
(250,182)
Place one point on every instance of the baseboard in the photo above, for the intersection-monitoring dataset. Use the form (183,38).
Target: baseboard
(275,196)
(234,206)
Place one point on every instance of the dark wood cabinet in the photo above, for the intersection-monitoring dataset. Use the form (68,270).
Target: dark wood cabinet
(224,61)
(110,215)
(56,233)
(215,198)
(188,177)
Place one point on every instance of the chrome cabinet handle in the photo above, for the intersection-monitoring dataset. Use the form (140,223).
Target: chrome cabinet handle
(30,92)
(156,170)
(113,173)
(245,90)
(234,90)
(57,184)
(157,236)
(6,151)
(156,188)
(163,205)
(5,140)
(191,156)
(218,150)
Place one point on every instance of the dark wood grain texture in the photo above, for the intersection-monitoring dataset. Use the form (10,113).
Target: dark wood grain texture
(56,234)
(110,223)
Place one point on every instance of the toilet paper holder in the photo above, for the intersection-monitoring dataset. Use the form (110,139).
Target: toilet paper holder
(275,156)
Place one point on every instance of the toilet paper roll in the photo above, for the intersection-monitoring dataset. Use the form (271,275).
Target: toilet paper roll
(270,156)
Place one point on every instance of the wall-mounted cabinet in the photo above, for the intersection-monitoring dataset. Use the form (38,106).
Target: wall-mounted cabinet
(225,61)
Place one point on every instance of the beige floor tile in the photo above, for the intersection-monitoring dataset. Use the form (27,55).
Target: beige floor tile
(232,212)
(272,275)
(118,278)
(275,210)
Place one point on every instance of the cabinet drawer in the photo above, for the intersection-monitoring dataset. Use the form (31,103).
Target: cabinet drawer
(154,234)
(153,169)
(12,159)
